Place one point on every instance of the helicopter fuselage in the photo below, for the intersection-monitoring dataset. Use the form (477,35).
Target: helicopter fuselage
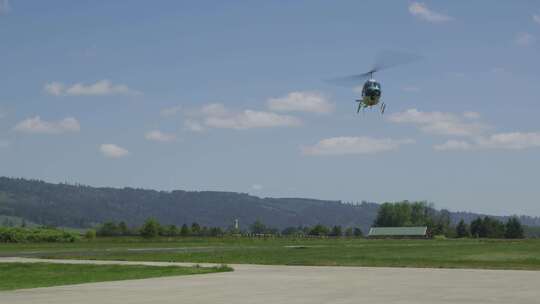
(371,93)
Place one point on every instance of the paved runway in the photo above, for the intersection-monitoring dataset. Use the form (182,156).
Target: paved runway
(252,284)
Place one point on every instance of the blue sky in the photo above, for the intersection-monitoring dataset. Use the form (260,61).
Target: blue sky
(207,95)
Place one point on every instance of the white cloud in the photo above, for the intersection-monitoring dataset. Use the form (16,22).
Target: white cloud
(249,119)
(256,187)
(193,125)
(511,140)
(113,151)
(170,111)
(214,109)
(217,116)
(536,18)
(453,145)
(471,115)
(421,11)
(156,135)
(354,145)
(524,39)
(301,102)
(100,88)
(54,88)
(4,7)
(38,126)
(441,123)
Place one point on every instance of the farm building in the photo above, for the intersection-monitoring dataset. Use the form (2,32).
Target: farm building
(398,232)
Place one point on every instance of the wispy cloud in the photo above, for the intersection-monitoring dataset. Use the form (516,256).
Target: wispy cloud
(171,111)
(218,116)
(454,145)
(193,125)
(509,141)
(4,143)
(421,11)
(100,88)
(442,123)
(536,18)
(4,7)
(113,151)
(313,102)
(156,135)
(524,39)
(471,115)
(36,125)
(354,145)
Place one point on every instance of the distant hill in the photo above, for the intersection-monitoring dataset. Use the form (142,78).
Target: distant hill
(81,206)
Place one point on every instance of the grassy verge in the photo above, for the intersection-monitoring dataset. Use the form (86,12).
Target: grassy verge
(30,275)
(451,253)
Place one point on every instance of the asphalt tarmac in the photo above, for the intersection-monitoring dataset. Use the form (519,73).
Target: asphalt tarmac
(252,284)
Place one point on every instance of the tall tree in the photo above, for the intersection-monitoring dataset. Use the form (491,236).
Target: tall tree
(172,230)
(108,229)
(336,231)
(477,228)
(150,228)
(358,232)
(319,230)
(462,229)
(258,227)
(184,231)
(513,229)
(123,228)
(195,229)
(487,227)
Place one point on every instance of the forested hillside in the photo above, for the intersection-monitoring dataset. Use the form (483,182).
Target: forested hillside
(84,206)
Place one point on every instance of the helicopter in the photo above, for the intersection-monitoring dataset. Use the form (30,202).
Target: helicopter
(371,90)
(371,94)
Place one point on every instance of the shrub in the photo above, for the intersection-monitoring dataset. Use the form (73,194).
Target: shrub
(90,234)
(150,228)
(31,235)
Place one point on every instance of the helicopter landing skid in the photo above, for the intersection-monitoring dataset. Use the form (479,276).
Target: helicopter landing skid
(362,106)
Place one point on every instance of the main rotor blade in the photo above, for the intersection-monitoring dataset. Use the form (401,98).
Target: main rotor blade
(389,59)
(350,81)
(383,61)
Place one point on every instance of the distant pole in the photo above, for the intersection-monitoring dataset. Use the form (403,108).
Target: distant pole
(236,224)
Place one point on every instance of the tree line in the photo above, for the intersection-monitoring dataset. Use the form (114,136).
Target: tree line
(400,214)
(152,228)
(407,214)
(258,228)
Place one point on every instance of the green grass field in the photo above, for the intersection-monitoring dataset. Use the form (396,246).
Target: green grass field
(31,275)
(452,253)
